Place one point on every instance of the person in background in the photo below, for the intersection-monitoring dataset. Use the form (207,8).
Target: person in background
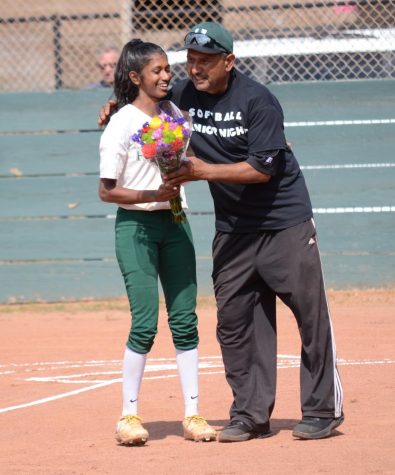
(107,58)
(148,243)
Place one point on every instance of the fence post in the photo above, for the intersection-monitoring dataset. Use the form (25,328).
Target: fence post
(57,35)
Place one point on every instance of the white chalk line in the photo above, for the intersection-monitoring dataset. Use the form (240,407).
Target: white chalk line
(284,362)
(208,366)
(81,363)
(59,396)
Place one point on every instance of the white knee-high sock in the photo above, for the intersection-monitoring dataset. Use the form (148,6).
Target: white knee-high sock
(133,370)
(187,364)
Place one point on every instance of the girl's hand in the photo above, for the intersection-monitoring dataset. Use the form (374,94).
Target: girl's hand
(166,192)
(109,192)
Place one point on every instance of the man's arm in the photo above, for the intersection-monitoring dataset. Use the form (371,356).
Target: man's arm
(195,169)
(106,112)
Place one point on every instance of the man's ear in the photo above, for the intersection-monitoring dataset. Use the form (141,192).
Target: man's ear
(134,77)
(230,61)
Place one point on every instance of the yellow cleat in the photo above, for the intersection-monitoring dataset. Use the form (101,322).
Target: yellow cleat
(196,428)
(130,431)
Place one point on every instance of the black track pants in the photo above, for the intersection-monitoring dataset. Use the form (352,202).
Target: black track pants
(250,270)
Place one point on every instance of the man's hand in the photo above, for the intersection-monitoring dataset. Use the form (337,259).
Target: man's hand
(106,111)
(190,170)
(196,169)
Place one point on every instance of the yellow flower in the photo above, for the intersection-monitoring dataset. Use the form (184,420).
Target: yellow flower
(155,123)
(178,132)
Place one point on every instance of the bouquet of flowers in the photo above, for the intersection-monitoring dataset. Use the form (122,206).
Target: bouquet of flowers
(165,139)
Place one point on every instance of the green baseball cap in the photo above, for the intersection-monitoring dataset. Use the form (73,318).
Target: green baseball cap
(209,37)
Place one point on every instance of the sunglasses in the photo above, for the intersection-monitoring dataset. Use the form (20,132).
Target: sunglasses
(201,39)
(105,65)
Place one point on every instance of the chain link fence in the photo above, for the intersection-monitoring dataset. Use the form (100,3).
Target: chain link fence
(47,45)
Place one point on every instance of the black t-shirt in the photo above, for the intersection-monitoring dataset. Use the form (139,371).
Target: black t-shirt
(245,124)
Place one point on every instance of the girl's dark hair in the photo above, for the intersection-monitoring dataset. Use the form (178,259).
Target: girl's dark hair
(135,55)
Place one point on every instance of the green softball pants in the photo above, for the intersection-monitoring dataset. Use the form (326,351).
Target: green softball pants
(149,245)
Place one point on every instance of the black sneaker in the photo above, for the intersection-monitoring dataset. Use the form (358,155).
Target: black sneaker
(239,431)
(316,427)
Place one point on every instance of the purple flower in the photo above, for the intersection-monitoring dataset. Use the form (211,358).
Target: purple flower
(137,138)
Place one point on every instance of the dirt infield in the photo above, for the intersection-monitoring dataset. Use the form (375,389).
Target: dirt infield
(60,395)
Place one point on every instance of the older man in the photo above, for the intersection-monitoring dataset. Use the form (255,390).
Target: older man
(107,58)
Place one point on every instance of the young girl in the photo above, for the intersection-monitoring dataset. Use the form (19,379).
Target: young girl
(148,244)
